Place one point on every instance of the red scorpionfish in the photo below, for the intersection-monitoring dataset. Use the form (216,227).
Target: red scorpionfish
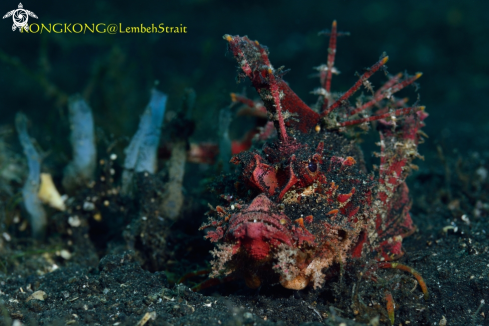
(303,204)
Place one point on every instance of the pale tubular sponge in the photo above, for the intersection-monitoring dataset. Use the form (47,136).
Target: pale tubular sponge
(32,203)
(141,154)
(80,171)
(172,203)
(225,118)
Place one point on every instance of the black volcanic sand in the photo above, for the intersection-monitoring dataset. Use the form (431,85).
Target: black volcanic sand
(449,249)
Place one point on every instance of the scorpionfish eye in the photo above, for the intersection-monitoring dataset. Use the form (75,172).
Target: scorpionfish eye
(312,166)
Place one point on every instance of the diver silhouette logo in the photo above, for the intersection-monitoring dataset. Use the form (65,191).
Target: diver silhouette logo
(20,17)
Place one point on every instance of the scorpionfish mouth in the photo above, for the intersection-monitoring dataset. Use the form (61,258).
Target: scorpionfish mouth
(260,227)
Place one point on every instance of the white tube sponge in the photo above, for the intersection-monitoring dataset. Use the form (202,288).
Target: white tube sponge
(32,202)
(82,168)
(225,118)
(141,154)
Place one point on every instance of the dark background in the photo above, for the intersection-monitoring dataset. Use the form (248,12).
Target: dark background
(446,40)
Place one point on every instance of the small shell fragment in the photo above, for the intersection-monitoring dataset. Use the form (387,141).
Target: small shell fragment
(74,221)
(88,206)
(97,217)
(38,295)
(65,254)
(147,316)
(48,193)
(443,321)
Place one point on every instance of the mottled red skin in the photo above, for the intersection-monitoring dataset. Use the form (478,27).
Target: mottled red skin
(310,202)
